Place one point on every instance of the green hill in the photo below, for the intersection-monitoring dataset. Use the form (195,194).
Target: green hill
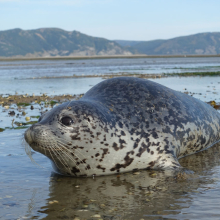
(55,42)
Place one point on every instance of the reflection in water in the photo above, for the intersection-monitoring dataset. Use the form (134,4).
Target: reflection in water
(141,195)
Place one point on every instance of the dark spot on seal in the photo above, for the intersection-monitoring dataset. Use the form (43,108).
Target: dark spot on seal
(152,163)
(122,143)
(75,170)
(143,148)
(128,160)
(106,129)
(123,133)
(105,151)
(115,146)
(136,143)
(120,124)
(75,137)
(100,167)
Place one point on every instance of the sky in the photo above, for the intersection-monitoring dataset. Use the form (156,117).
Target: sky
(114,19)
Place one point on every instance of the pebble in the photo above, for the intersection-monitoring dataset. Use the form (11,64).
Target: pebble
(96,216)
(12,113)
(27,118)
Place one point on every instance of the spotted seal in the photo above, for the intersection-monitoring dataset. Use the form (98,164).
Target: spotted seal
(124,124)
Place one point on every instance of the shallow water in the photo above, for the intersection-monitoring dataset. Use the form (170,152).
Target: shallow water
(20,76)
(28,191)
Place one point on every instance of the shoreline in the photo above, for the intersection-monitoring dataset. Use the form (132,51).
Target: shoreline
(138,75)
(106,76)
(103,57)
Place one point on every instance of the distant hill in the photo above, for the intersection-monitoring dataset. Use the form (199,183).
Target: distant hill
(46,42)
(197,44)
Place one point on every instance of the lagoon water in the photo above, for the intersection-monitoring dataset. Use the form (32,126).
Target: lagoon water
(28,191)
(20,76)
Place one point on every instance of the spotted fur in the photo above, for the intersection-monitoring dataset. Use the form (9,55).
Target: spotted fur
(123,124)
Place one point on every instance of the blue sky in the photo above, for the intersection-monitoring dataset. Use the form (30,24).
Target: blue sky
(114,19)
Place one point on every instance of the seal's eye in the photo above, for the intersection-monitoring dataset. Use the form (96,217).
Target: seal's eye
(67,121)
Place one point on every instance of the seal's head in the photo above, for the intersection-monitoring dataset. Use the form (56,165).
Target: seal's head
(70,135)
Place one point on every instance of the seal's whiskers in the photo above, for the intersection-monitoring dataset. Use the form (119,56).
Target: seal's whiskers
(68,153)
(64,154)
(76,151)
(53,149)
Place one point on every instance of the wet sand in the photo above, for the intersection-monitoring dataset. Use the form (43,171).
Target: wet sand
(24,100)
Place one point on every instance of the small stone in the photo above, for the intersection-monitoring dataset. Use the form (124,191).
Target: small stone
(23,113)
(12,113)
(136,173)
(96,216)
(27,118)
(32,107)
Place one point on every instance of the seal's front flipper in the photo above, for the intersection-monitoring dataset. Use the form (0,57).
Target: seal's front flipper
(170,164)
